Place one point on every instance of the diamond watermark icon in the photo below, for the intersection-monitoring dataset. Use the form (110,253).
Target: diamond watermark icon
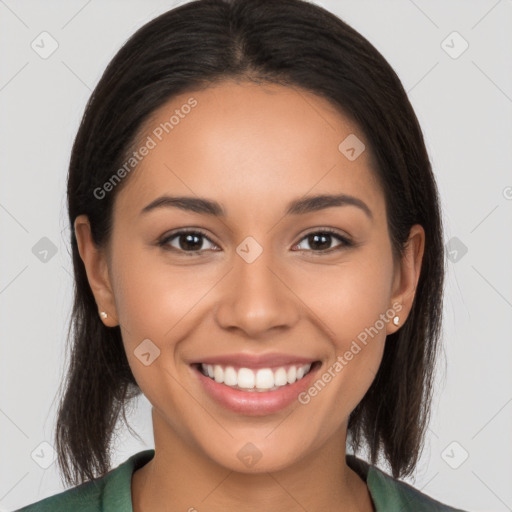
(351,147)
(146,352)
(249,454)
(454,455)
(454,45)
(249,249)
(44,455)
(44,45)
(44,250)
(455,249)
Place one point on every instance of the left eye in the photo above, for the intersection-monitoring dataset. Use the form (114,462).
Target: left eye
(323,239)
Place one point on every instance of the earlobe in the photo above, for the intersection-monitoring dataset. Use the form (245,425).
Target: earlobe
(408,273)
(95,262)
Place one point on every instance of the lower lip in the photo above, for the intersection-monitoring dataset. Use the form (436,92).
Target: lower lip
(255,403)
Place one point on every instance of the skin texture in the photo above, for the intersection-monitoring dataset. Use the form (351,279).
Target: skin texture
(253,148)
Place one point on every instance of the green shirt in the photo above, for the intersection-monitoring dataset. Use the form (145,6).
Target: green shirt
(112,492)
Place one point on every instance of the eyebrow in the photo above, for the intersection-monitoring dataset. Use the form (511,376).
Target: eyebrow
(297,207)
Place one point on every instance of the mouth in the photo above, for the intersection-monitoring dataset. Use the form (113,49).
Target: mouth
(256,379)
(255,387)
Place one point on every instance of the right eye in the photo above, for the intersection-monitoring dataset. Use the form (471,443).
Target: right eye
(185,241)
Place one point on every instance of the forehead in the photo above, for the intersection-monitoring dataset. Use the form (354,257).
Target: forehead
(248,143)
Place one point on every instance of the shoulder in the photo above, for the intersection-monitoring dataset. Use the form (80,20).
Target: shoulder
(108,493)
(83,498)
(390,494)
(394,492)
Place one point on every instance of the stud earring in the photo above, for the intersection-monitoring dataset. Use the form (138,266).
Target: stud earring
(103,314)
(396,320)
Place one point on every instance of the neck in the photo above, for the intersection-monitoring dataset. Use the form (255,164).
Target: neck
(181,478)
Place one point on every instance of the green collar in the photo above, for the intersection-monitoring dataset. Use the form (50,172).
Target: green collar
(388,494)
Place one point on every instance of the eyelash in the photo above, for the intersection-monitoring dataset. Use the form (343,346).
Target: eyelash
(345,242)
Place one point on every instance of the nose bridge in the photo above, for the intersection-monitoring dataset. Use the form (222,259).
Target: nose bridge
(257,300)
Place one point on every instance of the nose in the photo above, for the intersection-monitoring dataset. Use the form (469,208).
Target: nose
(257,299)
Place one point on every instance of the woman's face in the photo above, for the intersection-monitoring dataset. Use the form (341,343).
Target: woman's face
(258,290)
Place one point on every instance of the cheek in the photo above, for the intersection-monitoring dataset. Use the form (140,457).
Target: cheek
(164,304)
(349,298)
(352,302)
(153,302)
(152,297)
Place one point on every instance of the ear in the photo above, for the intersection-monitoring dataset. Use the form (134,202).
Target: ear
(95,262)
(407,273)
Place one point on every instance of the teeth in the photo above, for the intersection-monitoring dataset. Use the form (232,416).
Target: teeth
(280,377)
(291,376)
(218,374)
(245,378)
(263,379)
(230,376)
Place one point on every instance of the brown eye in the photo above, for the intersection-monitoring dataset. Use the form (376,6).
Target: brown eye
(320,241)
(186,241)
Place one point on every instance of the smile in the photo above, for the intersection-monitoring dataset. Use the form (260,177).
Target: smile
(255,385)
(257,380)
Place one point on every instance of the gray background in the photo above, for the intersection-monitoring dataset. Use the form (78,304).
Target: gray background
(464,105)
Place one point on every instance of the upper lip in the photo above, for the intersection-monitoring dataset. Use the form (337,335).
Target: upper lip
(256,360)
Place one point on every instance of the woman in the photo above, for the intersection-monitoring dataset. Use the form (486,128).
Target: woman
(257,248)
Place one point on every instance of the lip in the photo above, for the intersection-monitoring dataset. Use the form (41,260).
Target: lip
(255,403)
(244,360)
